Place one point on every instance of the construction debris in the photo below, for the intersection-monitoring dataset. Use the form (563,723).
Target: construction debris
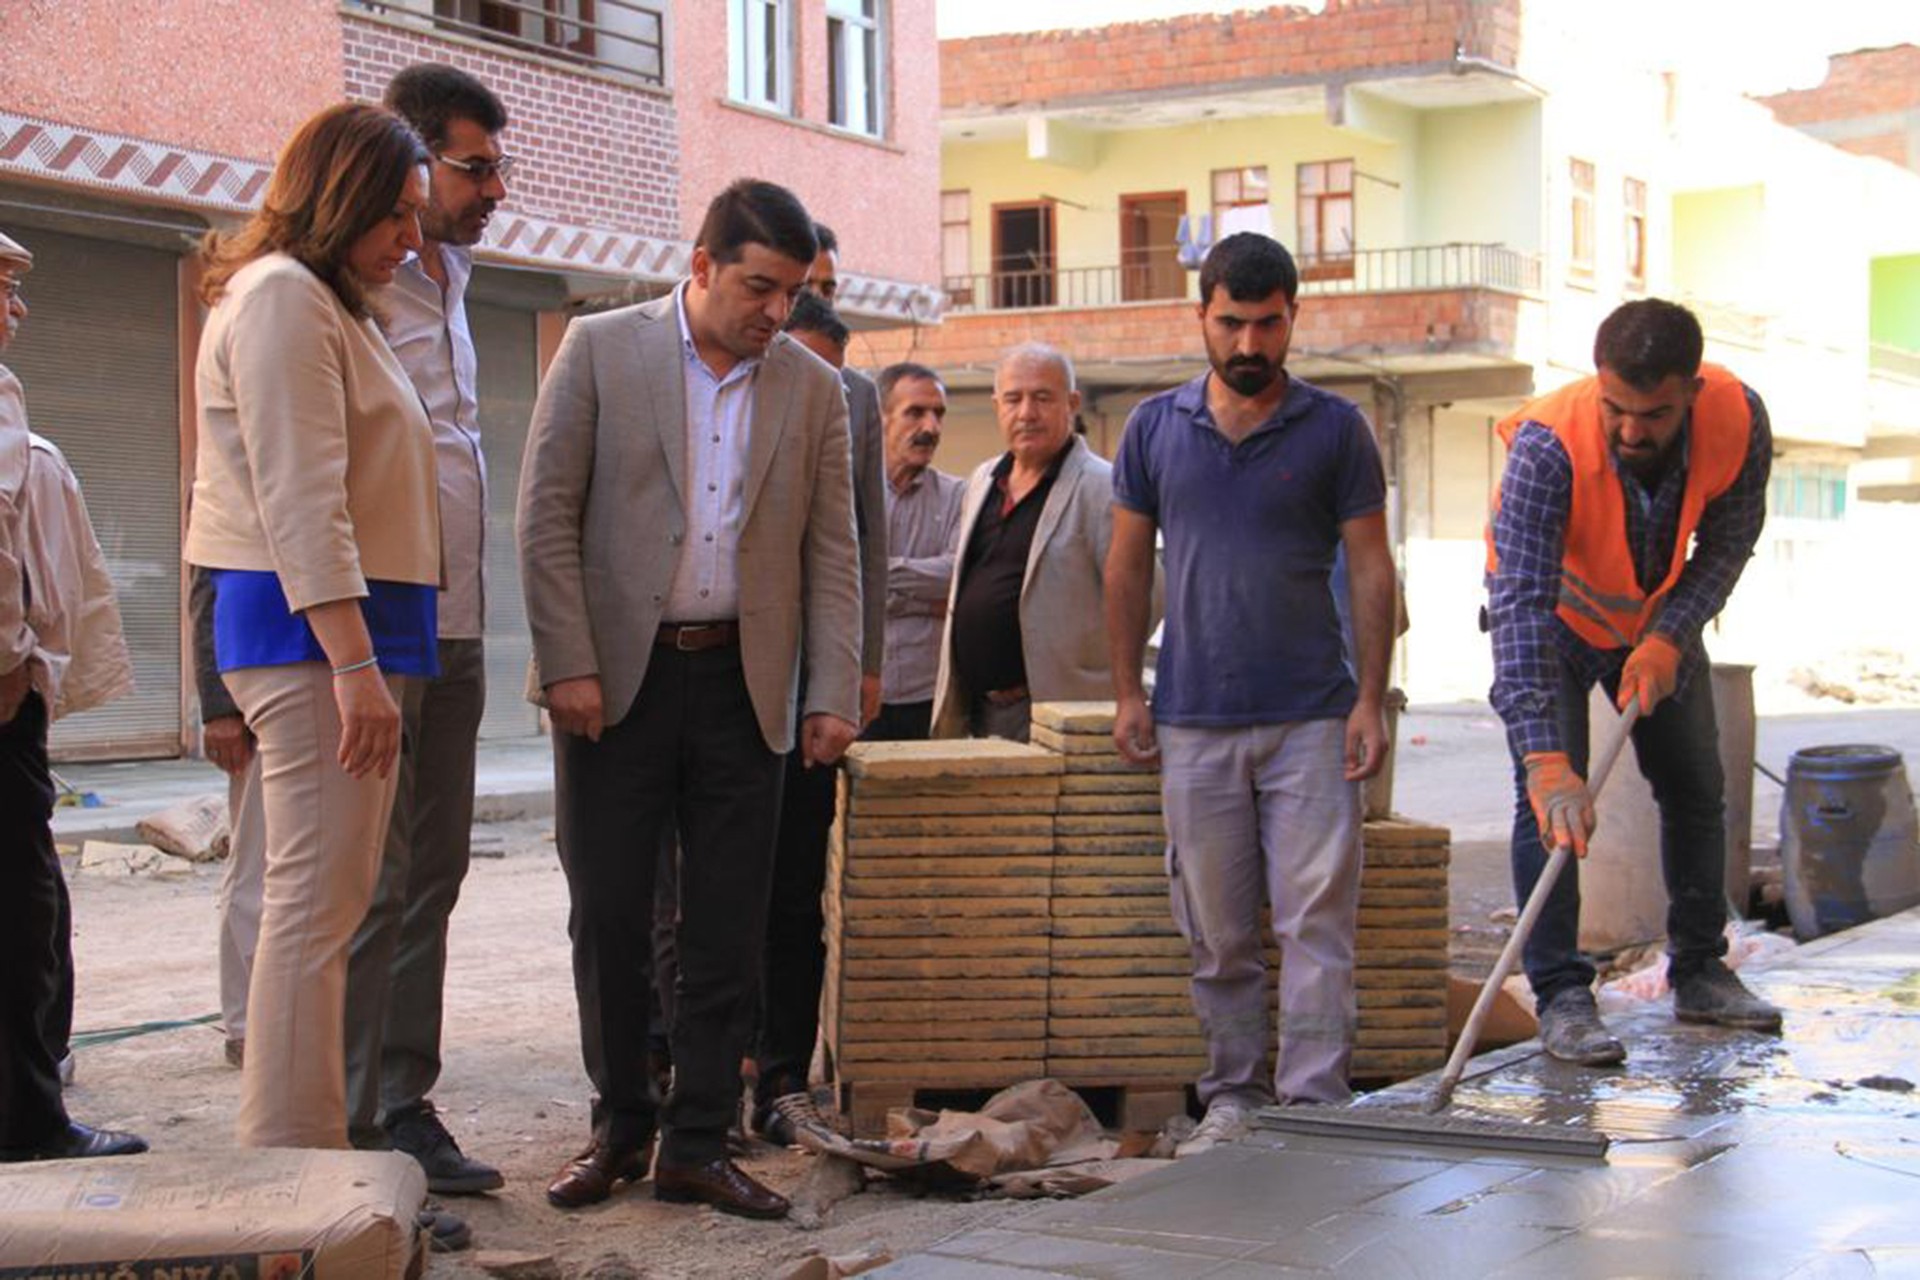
(194,829)
(104,858)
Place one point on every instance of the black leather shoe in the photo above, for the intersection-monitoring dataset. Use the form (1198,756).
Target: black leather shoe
(78,1142)
(1712,993)
(591,1176)
(450,1172)
(720,1183)
(1571,1030)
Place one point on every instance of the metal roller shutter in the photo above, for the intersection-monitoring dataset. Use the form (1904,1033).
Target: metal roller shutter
(98,356)
(505,345)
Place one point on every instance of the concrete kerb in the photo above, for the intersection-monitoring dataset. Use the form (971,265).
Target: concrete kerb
(513,779)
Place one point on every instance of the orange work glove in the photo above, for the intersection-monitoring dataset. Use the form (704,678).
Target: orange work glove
(1652,670)
(1560,801)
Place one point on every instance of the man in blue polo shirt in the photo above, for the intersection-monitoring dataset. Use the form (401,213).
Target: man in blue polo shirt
(1262,732)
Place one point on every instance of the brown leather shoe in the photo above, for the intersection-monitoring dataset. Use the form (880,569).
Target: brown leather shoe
(591,1176)
(720,1183)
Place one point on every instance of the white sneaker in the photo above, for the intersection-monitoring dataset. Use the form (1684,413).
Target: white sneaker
(1226,1121)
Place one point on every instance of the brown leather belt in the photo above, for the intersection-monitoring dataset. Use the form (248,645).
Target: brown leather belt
(695,636)
(1005,697)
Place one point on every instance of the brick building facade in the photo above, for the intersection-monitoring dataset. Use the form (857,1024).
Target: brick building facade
(1868,104)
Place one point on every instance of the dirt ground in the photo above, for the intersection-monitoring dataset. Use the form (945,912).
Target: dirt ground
(513,1089)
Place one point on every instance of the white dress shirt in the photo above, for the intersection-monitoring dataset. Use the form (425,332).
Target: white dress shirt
(706,579)
(427,329)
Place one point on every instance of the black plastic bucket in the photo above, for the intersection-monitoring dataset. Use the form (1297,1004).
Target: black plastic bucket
(1849,842)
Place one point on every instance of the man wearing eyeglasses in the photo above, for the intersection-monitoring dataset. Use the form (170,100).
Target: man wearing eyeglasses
(397,973)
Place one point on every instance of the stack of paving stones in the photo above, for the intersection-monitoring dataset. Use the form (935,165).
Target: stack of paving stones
(939,872)
(1118,1010)
(1400,951)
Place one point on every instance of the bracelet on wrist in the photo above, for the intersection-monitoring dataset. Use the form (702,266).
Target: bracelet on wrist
(352,667)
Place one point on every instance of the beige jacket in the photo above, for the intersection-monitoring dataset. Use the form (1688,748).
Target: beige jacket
(69,635)
(315,456)
(80,656)
(1063,632)
(602,516)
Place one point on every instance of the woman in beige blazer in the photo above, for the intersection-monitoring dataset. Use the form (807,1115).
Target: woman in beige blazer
(315,511)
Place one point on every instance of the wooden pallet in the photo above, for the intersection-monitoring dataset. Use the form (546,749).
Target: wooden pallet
(1009,919)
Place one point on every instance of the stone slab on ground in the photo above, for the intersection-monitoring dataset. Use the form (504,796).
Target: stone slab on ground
(1760,1156)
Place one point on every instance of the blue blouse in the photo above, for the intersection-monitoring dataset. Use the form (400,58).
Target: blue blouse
(252,626)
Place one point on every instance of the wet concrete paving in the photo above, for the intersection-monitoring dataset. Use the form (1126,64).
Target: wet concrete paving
(1734,1154)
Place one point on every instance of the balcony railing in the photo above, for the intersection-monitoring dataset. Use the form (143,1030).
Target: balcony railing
(626,37)
(1413,268)
(1898,361)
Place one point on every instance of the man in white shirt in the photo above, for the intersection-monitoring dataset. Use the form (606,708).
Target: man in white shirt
(61,651)
(397,973)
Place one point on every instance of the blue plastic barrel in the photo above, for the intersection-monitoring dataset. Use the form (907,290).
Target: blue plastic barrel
(1849,842)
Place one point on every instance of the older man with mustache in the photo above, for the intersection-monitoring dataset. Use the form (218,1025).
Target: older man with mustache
(923,517)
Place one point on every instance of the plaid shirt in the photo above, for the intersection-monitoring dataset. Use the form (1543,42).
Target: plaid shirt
(1530,642)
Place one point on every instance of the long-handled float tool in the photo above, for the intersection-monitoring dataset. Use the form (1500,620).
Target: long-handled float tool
(1425,1124)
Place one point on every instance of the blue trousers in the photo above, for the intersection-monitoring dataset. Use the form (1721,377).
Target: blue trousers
(1678,751)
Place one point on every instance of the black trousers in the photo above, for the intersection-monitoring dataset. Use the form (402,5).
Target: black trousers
(901,722)
(34,950)
(688,754)
(796,958)
(1678,750)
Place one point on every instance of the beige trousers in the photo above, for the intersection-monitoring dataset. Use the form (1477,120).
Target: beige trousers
(240,892)
(324,833)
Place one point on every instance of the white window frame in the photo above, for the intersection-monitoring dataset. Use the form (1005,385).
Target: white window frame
(749,58)
(851,33)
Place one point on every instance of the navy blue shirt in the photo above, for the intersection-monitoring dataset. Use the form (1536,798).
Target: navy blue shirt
(1252,636)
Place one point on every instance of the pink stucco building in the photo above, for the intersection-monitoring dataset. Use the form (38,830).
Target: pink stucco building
(129,128)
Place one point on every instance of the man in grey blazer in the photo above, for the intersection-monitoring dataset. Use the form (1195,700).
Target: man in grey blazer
(686,527)
(1024,613)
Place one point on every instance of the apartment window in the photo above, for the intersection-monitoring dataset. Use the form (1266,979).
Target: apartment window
(1240,201)
(1324,200)
(853,65)
(1633,200)
(1580,264)
(614,35)
(1149,246)
(760,53)
(956,246)
(1808,491)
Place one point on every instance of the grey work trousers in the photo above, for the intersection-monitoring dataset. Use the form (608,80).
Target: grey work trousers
(240,889)
(1253,813)
(397,975)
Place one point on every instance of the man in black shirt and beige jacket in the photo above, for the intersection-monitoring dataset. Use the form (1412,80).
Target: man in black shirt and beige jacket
(1024,616)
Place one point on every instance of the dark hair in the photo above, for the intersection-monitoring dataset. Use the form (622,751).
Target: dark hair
(829,242)
(754,212)
(341,173)
(430,95)
(894,374)
(1252,266)
(812,313)
(1648,341)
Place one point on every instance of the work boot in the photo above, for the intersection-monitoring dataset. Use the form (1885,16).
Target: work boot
(418,1132)
(1571,1030)
(1712,993)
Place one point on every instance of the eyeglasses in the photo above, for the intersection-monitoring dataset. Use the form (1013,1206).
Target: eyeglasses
(481,170)
(11,288)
